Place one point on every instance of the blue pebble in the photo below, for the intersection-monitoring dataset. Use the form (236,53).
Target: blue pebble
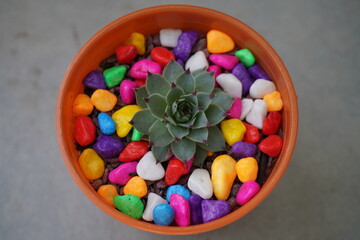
(107,125)
(179,190)
(163,214)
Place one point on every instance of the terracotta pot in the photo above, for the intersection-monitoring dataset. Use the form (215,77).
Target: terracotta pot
(151,20)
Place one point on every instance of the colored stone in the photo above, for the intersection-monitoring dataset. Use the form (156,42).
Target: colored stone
(272,123)
(108,147)
(163,214)
(103,100)
(153,200)
(247,191)
(235,109)
(149,169)
(247,169)
(94,80)
(261,87)
(122,117)
(197,61)
(230,84)
(257,72)
(136,186)
(85,130)
(140,69)
(107,193)
(121,174)
(252,134)
(130,205)
(169,37)
(274,101)
(174,171)
(127,92)
(113,76)
(219,42)
(134,151)
(200,183)
(257,113)
(243,149)
(106,124)
(246,57)
(246,106)
(271,145)
(242,74)
(223,174)
(91,164)
(136,135)
(161,55)
(184,45)
(214,209)
(82,105)
(178,189)
(138,40)
(182,209)
(126,54)
(227,62)
(195,209)
(233,130)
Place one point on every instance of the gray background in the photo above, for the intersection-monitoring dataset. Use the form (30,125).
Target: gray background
(318,197)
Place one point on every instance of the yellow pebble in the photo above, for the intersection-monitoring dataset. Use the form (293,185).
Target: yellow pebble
(233,130)
(108,192)
(91,164)
(219,42)
(274,101)
(122,117)
(136,186)
(103,100)
(82,105)
(138,40)
(223,174)
(247,169)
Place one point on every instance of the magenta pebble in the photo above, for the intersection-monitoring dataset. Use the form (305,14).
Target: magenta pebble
(217,70)
(257,72)
(226,61)
(127,91)
(241,73)
(141,68)
(235,109)
(247,191)
(121,174)
(181,208)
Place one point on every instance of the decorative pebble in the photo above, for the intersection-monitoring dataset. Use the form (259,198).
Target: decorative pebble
(103,100)
(122,117)
(108,147)
(113,76)
(252,134)
(223,174)
(106,124)
(274,101)
(134,151)
(169,37)
(91,164)
(178,189)
(136,135)
(195,209)
(138,40)
(185,43)
(246,106)
(257,113)
(241,73)
(136,186)
(153,200)
(243,149)
(140,82)
(247,169)
(214,209)
(127,92)
(182,209)
(126,54)
(271,145)
(85,130)
(94,80)
(175,169)
(261,87)
(161,55)
(217,70)
(140,69)
(219,42)
(233,130)
(149,169)
(230,84)
(197,61)
(108,192)
(235,109)
(246,57)
(247,191)
(189,165)
(257,72)
(225,61)
(82,105)
(130,205)
(272,123)
(120,175)
(163,214)
(200,183)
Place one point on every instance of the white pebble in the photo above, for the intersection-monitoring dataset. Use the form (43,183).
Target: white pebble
(169,37)
(261,87)
(152,201)
(149,169)
(230,84)
(200,183)
(257,114)
(246,105)
(197,61)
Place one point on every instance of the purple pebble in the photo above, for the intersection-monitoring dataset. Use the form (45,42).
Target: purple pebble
(181,62)
(257,72)
(240,72)
(108,147)
(94,80)
(185,43)
(243,149)
(214,209)
(195,209)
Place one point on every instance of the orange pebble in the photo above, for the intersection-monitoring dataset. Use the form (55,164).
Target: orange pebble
(219,42)
(247,169)
(210,154)
(108,192)
(82,105)
(138,40)
(103,100)
(274,101)
(136,186)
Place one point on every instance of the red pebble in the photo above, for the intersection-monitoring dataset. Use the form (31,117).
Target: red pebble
(252,134)
(162,55)
(175,169)
(85,130)
(126,54)
(271,123)
(134,151)
(140,82)
(271,145)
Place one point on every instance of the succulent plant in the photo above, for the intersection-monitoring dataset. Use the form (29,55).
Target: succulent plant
(180,113)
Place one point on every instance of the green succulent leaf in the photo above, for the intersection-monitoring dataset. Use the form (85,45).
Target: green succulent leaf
(223,100)
(174,94)
(197,72)
(159,134)
(157,105)
(161,152)
(214,114)
(199,157)
(143,120)
(177,132)
(141,93)
(191,98)
(183,149)
(188,124)
(216,140)
(200,120)
(198,135)
(172,71)
(168,115)
(186,82)
(204,82)
(156,83)
(204,100)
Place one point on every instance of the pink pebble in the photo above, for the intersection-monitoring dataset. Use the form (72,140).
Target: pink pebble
(127,91)
(235,109)
(217,70)
(181,208)
(247,191)
(141,68)
(189,165)
(226,61)
(120,175)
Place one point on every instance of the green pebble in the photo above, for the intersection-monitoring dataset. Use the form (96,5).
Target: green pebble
(246,57)
(113,76)
(130,205)
(136,135)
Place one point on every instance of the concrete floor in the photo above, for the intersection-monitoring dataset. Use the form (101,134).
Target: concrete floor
(318,197)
